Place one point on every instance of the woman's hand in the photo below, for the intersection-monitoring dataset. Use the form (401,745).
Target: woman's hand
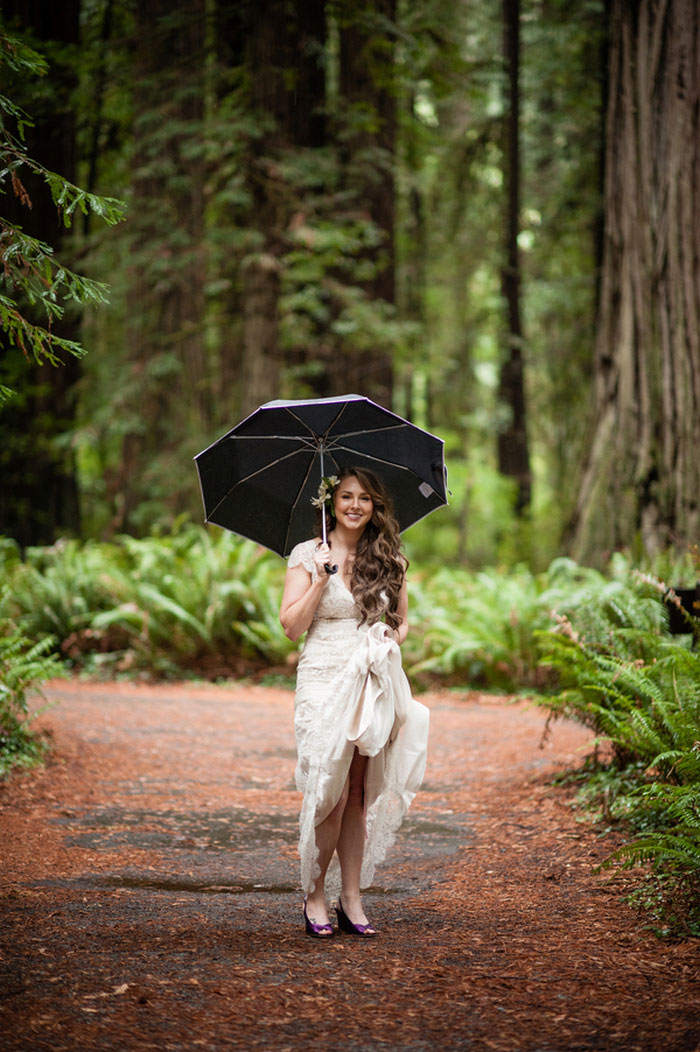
(322,556)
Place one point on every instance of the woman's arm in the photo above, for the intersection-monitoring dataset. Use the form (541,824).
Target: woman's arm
(301,595)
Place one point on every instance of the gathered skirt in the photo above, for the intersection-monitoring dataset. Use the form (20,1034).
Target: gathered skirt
(352,693)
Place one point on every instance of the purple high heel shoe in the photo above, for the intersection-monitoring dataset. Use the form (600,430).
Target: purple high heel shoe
(317,931)
(366,931)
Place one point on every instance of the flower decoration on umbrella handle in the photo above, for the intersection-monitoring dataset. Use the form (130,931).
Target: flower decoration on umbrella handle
(323,500)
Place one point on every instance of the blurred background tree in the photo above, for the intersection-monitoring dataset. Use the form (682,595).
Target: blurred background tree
(482,215)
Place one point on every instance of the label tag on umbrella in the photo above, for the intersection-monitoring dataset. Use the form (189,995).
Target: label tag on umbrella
(426,489)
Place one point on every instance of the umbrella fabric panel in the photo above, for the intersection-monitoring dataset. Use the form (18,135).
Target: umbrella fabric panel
(398,447)
(226,463)
(258,506)
(299,420)
(261,515)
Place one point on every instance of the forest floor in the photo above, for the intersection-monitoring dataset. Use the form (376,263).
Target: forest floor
(149,893)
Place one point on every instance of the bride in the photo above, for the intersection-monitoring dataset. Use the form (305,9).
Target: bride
(361,737)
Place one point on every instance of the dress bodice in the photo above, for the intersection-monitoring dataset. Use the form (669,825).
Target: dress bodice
(334,630)
(337,602)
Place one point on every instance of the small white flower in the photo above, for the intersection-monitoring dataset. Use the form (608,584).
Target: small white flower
(325,491)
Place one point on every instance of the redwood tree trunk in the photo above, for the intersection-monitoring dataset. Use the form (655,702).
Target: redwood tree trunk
(367,98)
(513,450)
(641,476)
(284,47)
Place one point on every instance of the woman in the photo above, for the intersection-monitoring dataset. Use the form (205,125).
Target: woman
(361,738)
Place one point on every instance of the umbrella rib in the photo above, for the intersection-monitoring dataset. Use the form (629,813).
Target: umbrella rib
(247,478)
(373,430)
(378,460)
(278,438)
(325,434)
(300,420)
(298,498)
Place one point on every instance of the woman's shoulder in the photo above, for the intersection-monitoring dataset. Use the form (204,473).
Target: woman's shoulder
(303,554)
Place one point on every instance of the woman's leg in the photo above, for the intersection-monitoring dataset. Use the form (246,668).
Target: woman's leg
(327,833)
(351,841)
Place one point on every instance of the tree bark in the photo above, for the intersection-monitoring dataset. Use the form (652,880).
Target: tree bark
(367,101)
(641,477)
(513,449)
(283,54)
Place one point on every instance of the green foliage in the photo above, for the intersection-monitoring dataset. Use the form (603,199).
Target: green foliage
(156,605)
(24,665)
(31,275)
(487,628)
(170,602)
(477,628)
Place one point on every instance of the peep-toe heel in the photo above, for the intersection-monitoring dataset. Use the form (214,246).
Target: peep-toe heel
(317,931)
(365,931)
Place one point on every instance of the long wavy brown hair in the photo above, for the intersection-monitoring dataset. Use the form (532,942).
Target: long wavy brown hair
(379,566)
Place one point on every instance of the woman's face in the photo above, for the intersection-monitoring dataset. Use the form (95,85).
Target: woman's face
(352,504)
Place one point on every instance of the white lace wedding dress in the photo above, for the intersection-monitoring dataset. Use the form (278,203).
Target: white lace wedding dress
(352,692)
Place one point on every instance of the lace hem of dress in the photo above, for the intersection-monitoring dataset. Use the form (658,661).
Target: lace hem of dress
(384,821)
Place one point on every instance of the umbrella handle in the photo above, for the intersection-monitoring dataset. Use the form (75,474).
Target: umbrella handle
(324,533)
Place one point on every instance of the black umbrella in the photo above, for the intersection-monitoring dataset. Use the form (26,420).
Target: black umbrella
(259,479)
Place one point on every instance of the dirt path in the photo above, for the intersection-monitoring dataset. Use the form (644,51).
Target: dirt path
(149,895)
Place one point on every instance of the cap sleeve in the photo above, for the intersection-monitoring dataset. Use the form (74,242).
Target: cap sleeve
(302,555)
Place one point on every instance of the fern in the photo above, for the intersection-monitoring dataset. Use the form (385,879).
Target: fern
(622,675)
(671,847)
(23,667)
(156,604)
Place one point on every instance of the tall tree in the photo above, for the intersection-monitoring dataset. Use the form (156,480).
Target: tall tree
(366,130)
(167,376)
(562,90)
(641,476)
(284,57)
(513,448)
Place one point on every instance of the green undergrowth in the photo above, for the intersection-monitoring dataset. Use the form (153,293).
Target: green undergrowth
(24,666)
(638,689)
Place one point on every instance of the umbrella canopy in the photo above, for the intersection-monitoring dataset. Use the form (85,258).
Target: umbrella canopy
(258,480)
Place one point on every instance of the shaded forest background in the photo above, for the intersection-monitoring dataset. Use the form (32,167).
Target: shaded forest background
(485,216)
